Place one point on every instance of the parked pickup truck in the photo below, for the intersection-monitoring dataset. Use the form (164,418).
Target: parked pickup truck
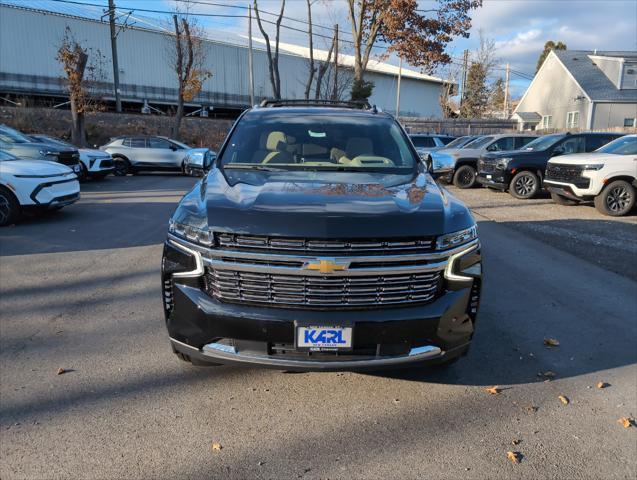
(608,176)
(459,165)
(521,172)
(319,241)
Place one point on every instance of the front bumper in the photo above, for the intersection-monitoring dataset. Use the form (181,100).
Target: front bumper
(568,190)
(101,166)
(499,180)
(212,331)
(56,193)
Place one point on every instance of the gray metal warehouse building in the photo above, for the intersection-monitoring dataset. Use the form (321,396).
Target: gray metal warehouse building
(29,39)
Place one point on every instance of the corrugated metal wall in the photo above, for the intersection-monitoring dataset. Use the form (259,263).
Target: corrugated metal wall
(29,41)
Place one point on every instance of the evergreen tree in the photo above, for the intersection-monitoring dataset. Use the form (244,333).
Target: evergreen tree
(548,46)
(496,100)
(476,93)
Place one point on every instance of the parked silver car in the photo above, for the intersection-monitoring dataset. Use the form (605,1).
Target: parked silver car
(198,161)
(459,165)
(428,142)
(136,153)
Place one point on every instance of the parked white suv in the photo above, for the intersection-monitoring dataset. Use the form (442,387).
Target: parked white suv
(33,185)
(608,176)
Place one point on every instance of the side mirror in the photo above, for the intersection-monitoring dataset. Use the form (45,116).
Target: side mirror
(174,148)
(558,151)
(428,163)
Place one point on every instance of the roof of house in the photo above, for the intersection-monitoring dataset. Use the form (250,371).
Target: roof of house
(529,116)
(592,80)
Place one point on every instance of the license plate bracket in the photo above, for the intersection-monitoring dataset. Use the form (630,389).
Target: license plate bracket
(323,337)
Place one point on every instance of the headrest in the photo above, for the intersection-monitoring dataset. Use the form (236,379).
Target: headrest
(359,146)
(274,138)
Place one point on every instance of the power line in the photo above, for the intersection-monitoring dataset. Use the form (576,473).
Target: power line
(455,61)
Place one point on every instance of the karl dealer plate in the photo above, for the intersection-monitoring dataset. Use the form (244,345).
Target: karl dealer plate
(323,338)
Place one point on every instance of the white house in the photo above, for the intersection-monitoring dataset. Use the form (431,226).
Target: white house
(581,90)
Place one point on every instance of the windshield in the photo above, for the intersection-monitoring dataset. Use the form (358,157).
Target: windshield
(5,157)
(622,146)
(9,135)
(181,145)
(542,143)
(293,141)
(51,141)
(479,142)
(459,142)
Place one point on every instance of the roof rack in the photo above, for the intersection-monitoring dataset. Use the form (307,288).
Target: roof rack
(271,103)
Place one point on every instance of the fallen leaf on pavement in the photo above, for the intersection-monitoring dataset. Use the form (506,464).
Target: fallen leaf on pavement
(551,342)
(61,371)
(493,390)
(514,457)
(626,422)
(531,408)
(563,399)
(216,447)
(602,385)
(516,442)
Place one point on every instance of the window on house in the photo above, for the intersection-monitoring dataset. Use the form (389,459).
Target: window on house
(572,120)
(547,121)
(629,122)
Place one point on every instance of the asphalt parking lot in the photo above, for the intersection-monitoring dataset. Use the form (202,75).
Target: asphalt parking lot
(80,290)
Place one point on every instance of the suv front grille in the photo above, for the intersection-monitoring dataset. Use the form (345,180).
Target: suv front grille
(322,291)
(69,158)
(307,246)
(486,165)
(568,174)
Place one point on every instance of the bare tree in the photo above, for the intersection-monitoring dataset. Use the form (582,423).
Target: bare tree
(308,86)
(273,60)
(187,59)
(322,68)
(80,75)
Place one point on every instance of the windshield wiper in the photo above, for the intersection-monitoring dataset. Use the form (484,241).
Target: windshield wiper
(260,168)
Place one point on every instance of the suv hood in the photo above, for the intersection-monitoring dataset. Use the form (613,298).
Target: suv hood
(355,207)
(516,154)
(583,158)
(34,167)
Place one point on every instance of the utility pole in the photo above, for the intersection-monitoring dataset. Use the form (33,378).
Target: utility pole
(465,62)
(335,91)
(250,67)
(400,74)
(506,94)
(111,21)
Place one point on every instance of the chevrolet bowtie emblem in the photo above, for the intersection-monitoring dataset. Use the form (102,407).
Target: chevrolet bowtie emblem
(326,265)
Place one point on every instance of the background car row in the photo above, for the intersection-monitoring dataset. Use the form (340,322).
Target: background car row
(39,172)
(581,167)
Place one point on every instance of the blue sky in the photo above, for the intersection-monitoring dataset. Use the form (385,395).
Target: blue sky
(518,27)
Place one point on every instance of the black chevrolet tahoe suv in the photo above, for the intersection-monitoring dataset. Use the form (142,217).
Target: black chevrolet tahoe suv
(319,241)
(521,172)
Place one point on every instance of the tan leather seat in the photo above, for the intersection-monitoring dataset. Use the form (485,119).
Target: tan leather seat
(277,146)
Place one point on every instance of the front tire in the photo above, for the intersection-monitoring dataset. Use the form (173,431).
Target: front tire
(524,185)
(122,167)
(616,199)
(562,200)
(83,175)
(465,177)
(10,210)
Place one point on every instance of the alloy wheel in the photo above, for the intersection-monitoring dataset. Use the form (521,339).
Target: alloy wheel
(466,178)
(524,185)
(618,199)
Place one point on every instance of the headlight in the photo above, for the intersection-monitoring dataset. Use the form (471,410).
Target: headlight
(503,163)
(597,166)
(196,159)
(456,238)
(190,233)
(46,153)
